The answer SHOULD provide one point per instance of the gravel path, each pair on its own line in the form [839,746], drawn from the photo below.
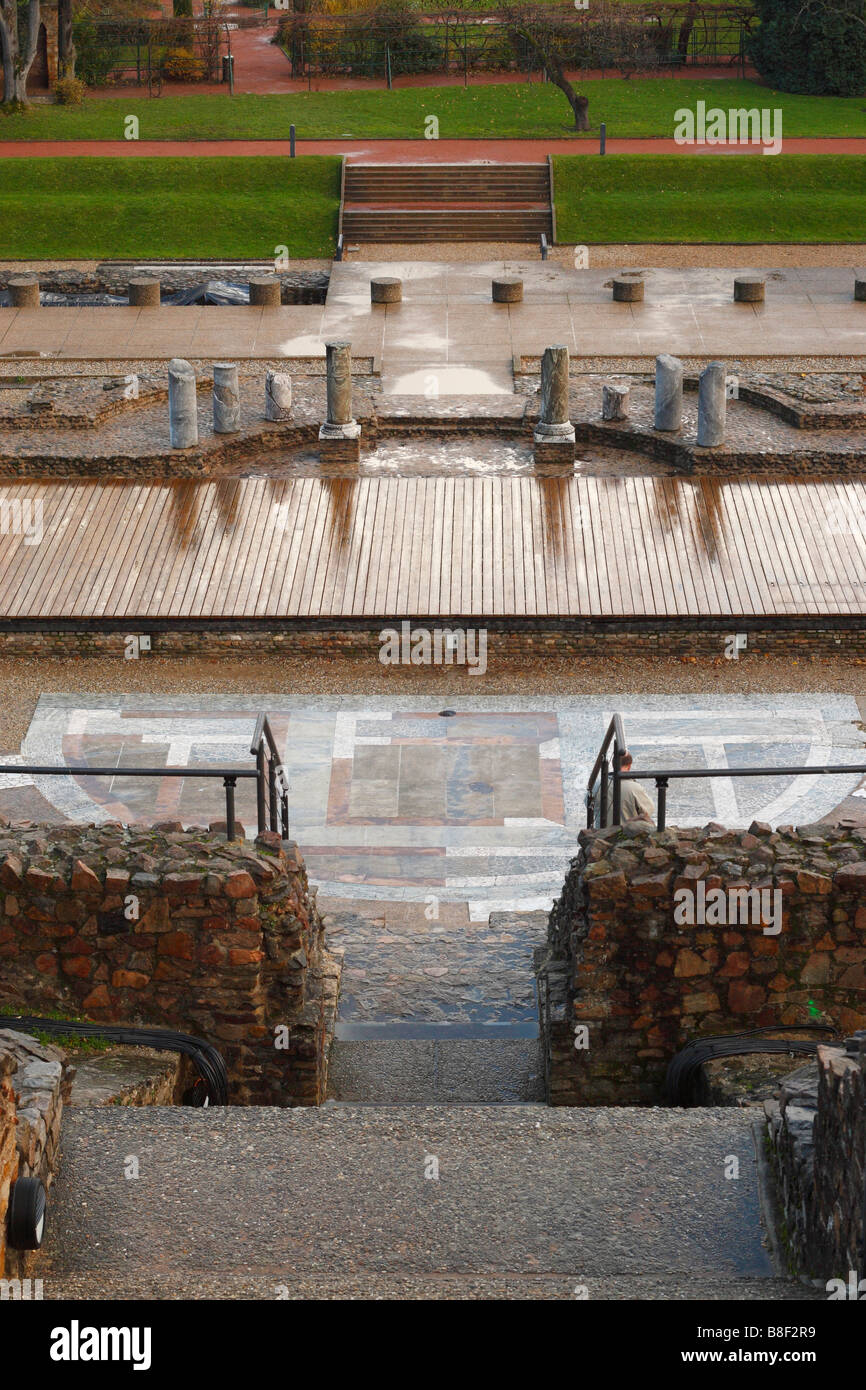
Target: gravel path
[622,1199]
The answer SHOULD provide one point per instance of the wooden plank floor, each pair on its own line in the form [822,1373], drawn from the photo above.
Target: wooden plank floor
[390,546]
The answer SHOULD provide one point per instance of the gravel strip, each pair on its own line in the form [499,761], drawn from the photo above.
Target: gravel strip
[22,680]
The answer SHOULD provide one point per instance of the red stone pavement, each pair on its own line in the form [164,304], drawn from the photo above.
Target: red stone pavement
[409,151]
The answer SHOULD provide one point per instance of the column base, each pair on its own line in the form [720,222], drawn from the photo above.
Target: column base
[554,447]
[340,443]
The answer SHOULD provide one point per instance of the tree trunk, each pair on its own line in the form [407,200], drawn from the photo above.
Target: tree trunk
[686,28]
[550,62]
[17,64]
[66,42]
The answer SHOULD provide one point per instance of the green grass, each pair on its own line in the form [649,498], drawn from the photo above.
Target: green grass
[668,198]
[85,208]
[639,107]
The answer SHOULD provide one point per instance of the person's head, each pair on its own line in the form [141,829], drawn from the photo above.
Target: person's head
[625,760]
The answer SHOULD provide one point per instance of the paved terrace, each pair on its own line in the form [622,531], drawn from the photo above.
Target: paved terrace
[447,318]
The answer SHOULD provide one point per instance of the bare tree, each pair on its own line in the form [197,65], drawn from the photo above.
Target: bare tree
[17,56]
[607,36]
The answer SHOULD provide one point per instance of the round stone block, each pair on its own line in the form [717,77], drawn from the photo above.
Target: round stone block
[265,292]
[860,286]
[144,293]
[749,289]
[386,291]
[24,292]
[628,289]
[507,291]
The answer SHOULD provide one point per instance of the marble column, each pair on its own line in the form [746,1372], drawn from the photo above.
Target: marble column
[182,406]
[614,402]
[278,396]
[712,405]
[339,436]
[554,433]
[226,398]
[669,393]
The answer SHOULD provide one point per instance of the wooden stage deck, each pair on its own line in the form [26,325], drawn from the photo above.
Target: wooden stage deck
[495,546]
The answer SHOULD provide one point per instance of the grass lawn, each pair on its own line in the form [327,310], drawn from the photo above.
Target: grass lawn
[638,107]
[666,198]
[95,208]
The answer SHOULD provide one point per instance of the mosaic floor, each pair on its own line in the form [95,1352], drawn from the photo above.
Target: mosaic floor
[437,841]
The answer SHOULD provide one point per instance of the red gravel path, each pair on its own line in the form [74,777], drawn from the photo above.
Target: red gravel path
[408,151]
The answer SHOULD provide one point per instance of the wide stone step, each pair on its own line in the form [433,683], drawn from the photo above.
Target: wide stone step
[399,224]
[479,1197]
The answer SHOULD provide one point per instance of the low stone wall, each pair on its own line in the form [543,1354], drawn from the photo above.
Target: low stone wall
[619,965]
[818,1133]
[34,1086]
[296,286]
[177,928]
[578,640]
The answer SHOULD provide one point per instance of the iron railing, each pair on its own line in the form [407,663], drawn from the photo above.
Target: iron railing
[607,775]
[272,789]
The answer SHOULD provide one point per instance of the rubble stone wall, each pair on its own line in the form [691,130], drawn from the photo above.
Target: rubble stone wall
[161,926]
[618,962]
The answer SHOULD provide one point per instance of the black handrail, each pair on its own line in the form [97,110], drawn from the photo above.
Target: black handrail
[273,785]
[269,775]
[662,776]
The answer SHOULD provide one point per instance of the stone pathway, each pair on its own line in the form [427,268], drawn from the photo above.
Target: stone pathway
[528,1202]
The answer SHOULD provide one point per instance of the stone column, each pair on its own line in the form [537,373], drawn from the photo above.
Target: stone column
[712,405]
[266,291]
[182,407]
[669,393]
[278,396]
[554,433]
[340,436]
[226,398]
[614,402]
[386,290]
[24,292]
[144,292]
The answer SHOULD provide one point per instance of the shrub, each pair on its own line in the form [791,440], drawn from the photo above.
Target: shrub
[69,91]
[179,65]
[818,49]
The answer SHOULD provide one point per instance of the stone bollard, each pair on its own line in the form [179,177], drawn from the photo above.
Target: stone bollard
[712,405]
[386,291]
[628,290]
[669,393]
[507,291]
[278,396]
[266,292]
[226,398]
[553,437]
[182,405]
[144,292]
[340,436]
[860,286]
[24,291]
[749,289]
[614,402]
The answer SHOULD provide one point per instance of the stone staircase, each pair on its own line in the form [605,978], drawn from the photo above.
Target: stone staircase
[446,202]
[457,1201]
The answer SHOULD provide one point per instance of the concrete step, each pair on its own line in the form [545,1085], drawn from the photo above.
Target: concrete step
[502,182]
[437,1071]
[478,1201]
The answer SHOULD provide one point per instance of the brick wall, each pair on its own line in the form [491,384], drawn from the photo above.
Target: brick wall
[34,1087]
[580,639]
[618,962]
[818,1130]
[227,944]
